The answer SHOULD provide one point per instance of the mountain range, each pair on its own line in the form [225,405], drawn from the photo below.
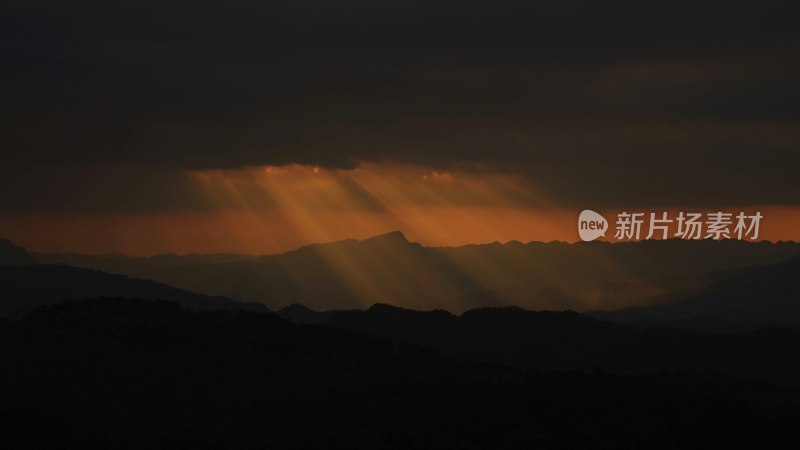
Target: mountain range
[27,285]
[722,288]
[549,340]
[211,372]
[115,373]
[764,293]
[389,269]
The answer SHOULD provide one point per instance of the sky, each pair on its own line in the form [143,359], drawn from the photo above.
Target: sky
[146,127]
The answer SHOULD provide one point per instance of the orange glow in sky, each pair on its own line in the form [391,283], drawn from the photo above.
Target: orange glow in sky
[263,210]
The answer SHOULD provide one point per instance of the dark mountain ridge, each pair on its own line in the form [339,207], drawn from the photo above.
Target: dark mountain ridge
[568,340]
[354,274]
[130,374]
[769,293]
[27,287]
[11,255]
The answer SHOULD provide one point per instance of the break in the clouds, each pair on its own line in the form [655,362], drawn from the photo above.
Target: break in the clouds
[106,105]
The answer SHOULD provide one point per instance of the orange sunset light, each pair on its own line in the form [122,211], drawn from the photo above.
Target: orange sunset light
[273,209]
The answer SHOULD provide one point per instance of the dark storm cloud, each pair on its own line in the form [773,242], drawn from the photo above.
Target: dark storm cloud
[105,188]
[646,93]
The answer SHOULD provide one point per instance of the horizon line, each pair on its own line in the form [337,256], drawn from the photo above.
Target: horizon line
[399,232]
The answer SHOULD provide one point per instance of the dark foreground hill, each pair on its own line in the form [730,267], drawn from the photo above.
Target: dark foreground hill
[23,288]
[547,341]
[127,374]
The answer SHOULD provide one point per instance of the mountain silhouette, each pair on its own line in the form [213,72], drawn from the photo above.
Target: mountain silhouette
[11,255]
[191,370]
[547,341]
[128,374]
[768,293]
[298,313]
[27,287]
[354,274]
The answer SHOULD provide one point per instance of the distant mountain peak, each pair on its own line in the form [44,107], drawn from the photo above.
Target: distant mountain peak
[385,307]
[296,307]
[300,313]
[391,237]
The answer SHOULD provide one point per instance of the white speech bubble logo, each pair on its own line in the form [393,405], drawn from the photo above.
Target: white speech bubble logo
[591,225]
